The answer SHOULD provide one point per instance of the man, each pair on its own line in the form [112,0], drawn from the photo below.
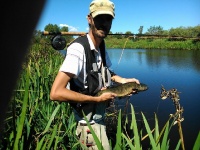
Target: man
[74,71]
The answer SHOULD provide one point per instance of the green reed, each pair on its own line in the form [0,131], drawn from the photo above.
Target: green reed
[33,121]
[159,138]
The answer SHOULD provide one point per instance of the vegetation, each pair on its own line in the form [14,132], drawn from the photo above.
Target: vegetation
[157,38]
[131,43]
[187,38]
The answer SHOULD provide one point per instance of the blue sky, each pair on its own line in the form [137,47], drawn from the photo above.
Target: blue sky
[130,14]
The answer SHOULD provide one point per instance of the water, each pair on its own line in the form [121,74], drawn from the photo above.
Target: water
[173,69]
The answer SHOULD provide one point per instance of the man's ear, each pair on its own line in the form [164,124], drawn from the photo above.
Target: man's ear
[89,18]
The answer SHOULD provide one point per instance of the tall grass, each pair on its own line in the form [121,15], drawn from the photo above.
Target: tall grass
[35,122]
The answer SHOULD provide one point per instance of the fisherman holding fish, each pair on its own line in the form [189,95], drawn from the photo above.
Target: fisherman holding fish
[85,71]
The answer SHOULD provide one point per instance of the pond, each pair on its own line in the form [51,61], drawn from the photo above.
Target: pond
[179,69]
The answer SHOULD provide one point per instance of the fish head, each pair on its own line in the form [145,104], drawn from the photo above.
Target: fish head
[142,87]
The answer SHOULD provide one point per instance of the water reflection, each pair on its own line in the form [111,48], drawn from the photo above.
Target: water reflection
[172,68]
[155,58]
[175,58]
[196,60]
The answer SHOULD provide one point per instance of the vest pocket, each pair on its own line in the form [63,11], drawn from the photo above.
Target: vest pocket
[94,82]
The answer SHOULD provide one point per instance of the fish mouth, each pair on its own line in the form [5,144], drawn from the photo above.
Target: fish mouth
[143,87]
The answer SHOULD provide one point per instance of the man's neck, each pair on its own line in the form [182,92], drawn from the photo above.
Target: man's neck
[96,41]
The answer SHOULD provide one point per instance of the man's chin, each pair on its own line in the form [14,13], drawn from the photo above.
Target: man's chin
[102,34]
[101,37]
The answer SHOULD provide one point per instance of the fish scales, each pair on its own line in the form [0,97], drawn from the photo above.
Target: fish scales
[124,89]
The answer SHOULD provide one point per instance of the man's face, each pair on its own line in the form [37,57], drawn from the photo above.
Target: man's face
[101,25]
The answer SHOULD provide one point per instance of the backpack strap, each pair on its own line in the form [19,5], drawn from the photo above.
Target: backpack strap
[90,58]
[103,53]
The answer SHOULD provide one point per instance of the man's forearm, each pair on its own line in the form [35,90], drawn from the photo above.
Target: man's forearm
[119,79]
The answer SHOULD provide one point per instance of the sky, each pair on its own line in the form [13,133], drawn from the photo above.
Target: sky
[129,14]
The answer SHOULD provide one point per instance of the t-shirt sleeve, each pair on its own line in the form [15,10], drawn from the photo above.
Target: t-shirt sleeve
[73,61]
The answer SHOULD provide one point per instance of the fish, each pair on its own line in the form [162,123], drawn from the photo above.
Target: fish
[124,89]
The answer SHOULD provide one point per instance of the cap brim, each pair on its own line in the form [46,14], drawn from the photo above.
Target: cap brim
[103,12]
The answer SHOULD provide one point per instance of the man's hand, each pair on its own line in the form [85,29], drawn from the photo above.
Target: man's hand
[126,80]
[107,96]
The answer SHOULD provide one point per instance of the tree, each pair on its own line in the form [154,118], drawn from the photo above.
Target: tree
[55,29]
[140,30]
[52,28]
[68,38]
[129,33]
[64,29]
[185,31]
[155,30]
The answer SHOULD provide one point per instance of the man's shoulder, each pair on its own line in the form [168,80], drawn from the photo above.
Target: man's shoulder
[75,47]
[78,42]
[81,39]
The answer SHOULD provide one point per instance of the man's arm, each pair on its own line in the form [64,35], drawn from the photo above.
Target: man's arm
[59,91]
[119,79]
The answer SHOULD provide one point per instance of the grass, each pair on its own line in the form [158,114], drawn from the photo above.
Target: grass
[131,43]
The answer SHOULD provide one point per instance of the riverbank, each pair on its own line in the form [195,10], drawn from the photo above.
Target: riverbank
[131,43]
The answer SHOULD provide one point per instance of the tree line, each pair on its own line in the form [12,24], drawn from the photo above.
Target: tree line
[185,32]
[153,32]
